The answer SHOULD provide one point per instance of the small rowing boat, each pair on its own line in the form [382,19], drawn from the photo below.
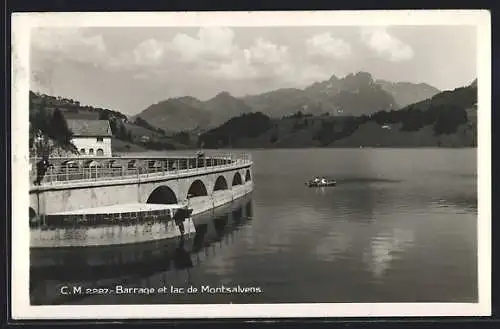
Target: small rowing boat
[321,182]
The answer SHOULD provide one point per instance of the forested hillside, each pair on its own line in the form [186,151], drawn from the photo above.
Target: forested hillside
[446,119]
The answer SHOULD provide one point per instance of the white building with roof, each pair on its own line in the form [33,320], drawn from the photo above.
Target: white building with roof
[91,137]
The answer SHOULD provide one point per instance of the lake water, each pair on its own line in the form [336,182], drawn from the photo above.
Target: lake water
[400,226]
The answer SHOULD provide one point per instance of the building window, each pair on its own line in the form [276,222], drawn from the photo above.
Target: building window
[91,151]
[82,151]
[99,139]
[100,152]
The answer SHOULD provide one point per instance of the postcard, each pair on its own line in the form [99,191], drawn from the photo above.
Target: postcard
[251,164]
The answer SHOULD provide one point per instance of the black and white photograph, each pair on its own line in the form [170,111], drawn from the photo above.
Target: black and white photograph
[251,164]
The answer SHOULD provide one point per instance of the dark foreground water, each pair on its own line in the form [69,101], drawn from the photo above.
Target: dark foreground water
[400,226]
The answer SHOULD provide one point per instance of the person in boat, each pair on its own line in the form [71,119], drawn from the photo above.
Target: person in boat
[323,180]
[316,180]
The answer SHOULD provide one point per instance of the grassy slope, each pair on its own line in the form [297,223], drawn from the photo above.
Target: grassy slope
[369,134]
[372,135]
[120,146]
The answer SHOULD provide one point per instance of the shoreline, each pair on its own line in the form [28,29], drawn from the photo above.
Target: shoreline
[304,148]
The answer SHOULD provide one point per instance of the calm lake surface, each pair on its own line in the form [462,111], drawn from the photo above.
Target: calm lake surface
[400,226]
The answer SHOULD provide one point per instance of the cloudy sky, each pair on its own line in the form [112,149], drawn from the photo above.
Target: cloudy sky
[128,69]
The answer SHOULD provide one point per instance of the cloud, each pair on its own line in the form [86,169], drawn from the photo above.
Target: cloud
[148,53]
[61,44]
[212,54]
[262,60]
[212,50]
[324,45]
[51,48]
[385,45]
[211,43]
[263,52]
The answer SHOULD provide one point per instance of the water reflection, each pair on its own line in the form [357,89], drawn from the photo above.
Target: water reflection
[106,267]
[373,237]
[384,248]
[394,229]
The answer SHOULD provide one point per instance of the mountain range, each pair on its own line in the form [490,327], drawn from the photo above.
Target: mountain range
[355,94]
[448,119]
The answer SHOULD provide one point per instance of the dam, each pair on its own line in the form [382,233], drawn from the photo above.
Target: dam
[92,201]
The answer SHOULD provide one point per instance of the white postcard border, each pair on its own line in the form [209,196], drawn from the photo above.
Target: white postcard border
[21,26]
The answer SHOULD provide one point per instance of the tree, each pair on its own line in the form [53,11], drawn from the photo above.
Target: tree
[122,132]
[31,138]
[42,145]
[41,120]
[103,115]
[248,125]
[143,123]
[58,128]
[59,132]
[448,119]
[274,138]
[182,137]
[114,128]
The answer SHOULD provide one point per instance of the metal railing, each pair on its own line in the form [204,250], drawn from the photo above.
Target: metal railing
[84,169]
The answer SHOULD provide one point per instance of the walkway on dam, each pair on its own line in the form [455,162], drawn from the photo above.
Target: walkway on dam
[64,171]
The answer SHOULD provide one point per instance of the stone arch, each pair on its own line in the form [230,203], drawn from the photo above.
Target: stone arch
[162,195]
[237,179]
[248,176]
[220,184]
[100,152]
[197,188]
[32,213]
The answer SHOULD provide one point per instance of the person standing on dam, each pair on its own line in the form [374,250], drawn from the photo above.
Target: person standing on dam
[41,169]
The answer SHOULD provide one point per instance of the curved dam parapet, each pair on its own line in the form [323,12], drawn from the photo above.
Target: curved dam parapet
[77,191]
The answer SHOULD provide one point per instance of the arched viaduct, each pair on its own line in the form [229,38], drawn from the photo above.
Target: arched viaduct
[202,188]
